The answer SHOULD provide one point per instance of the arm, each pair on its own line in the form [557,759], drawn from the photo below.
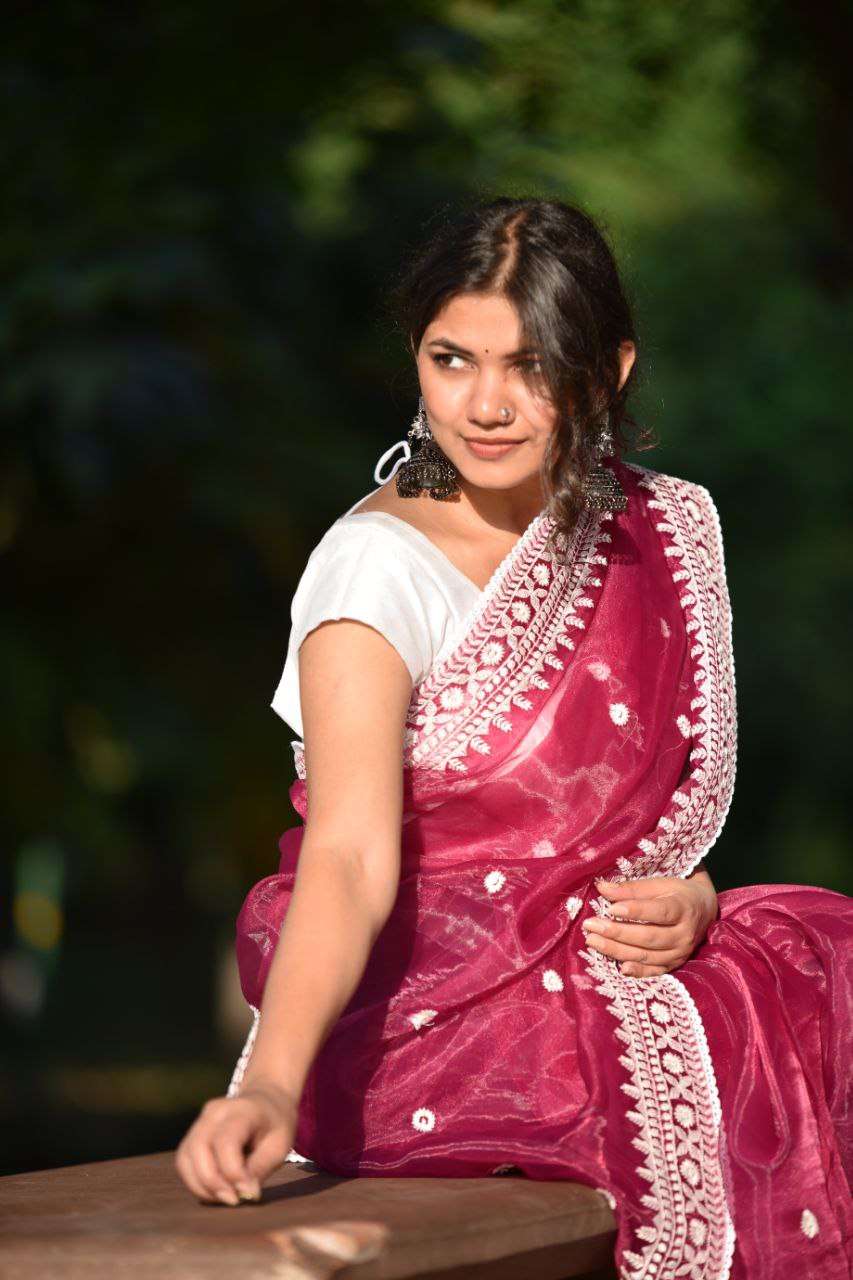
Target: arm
[354,691]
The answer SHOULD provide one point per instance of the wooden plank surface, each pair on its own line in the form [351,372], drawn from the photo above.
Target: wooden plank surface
[133,1218]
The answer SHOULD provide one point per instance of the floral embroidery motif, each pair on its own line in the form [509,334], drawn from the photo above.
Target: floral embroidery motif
[423,1119]
[809,1224]
[618,712]
[551,980]
[494,881]
[672,1081]
[299,758]
[598,670]
[678,1116]
[573,906]
[698,809]
[422,1018]
[544,849]
[508,643]
[451,698]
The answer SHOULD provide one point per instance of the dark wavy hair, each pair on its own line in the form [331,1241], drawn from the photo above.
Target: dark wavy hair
[553,263]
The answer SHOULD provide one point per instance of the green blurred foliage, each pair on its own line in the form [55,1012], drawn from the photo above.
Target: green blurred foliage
[205,205]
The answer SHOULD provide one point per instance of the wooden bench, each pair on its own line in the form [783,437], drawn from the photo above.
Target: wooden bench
[133,1218]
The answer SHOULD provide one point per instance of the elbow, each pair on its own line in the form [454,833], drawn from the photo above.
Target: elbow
[370,871]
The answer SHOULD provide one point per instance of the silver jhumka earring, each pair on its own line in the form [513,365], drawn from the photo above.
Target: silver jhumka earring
[602,490]
[423,466]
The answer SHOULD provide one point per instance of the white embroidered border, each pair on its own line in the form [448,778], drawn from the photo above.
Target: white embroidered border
[243,1060]
[696,813]
[529,607]
[677,1112]
[233,1090]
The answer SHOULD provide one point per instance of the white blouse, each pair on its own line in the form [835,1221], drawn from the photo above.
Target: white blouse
[378,569]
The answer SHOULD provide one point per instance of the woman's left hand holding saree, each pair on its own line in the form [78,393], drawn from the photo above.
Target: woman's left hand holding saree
[655,923]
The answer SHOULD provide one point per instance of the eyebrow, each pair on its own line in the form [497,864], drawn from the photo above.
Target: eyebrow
[461,351]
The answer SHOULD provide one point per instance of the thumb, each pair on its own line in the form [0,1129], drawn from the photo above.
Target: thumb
[269,1152]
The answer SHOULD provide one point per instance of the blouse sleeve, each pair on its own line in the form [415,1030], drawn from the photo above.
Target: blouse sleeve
[367,575]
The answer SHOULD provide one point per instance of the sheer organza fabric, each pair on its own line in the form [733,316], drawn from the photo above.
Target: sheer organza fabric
[585,725]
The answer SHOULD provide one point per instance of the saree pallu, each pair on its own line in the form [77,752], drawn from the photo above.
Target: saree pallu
[583,724]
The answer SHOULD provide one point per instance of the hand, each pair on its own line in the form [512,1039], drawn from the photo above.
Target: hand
[237,1142]
[666,917]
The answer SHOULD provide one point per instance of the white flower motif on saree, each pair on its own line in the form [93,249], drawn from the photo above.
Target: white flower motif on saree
[809,1224]
[423,1119]
[422,1018]
[551,980]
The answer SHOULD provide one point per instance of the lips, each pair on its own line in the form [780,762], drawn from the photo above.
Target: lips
[491,448]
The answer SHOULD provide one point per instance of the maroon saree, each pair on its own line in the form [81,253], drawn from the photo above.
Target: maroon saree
[583,724]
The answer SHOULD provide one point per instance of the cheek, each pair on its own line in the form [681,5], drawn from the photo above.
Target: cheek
[537,411]
[539,417]
[443,394]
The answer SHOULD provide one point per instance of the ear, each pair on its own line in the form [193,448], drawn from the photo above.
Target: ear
[627,356]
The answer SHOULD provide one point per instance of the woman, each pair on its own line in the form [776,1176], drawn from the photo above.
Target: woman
[512,675]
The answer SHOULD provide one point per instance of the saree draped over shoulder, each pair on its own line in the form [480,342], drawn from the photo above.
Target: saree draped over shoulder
[584,725]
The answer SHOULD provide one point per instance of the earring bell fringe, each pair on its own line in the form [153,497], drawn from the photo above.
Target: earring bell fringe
[426,468]
[602,490]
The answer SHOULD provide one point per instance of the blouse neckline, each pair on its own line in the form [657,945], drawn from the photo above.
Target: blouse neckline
[419,536]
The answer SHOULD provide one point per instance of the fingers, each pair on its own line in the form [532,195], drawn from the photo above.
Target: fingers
[663,958]
[229,1144]
[268,1154]
[196,1170]
[210,1159]
[645,888]
[650,937]
[662,909]
[208,1171]
[645,970]
[233,1146]
[185,1169]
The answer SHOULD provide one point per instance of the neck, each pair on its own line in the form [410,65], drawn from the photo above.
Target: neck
[510,510]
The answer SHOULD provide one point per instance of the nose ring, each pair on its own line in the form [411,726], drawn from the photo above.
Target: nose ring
[505,414]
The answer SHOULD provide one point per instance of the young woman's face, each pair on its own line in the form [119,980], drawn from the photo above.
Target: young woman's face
[470,366]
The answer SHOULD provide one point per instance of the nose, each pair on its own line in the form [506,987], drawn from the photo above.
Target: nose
[488,397]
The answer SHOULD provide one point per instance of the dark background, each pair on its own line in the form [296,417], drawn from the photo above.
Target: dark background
[205,205]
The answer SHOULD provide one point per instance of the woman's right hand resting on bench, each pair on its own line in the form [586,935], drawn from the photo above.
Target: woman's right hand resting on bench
[236,1143]
[354,691]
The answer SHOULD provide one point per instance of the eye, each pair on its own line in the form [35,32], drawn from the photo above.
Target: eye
[443,359]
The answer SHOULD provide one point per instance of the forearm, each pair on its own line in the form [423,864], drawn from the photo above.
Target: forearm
[331,923]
